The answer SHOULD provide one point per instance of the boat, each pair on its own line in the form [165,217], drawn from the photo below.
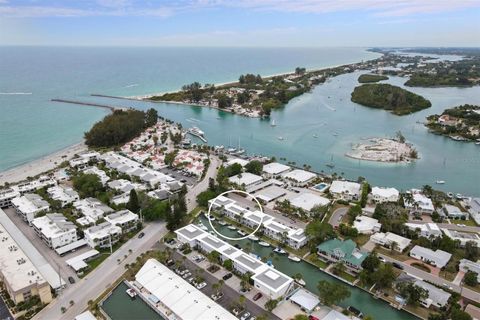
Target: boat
[279,250]
[331,165]
[222,223]
[253,238]
[355,311]
[450,195]
[273,124]
[440,182]
[231,150]
[209,217]
[300,282]
[264,244]
[294,258]
[242,233]
[269,263]
[131,293]
[477,143]
[232,227]
[459,196]
[315,135]
[281,138]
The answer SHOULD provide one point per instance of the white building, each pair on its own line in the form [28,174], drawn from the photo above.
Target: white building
[121,199]
[65,195]
[104,178]
[380,195]
[474,209]
[245,179]
[420,204]
[125,219]
[436,296]
[462,237]
[102,235]
[55,230]
[179,299]
[388,239]
[426,230]
[239,161]
[29,205]
[453,212]
[34,185]
[299,178]
[6,197]
[83,159]
[268,280]
[307,201]
[274,170]
[436,258]
[366,225]
[92,209]
[467,265]
[345,190]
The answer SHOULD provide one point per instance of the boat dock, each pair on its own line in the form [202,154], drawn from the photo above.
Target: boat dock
[89,104]
[199,136]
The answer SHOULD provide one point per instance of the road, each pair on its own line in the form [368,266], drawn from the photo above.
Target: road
[452,226]
[102,277]
[467,293]
[337,216]
[202,185]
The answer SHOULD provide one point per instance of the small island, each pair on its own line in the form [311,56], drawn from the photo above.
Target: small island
[384,150]
[460,123]
[370,78]
[385,96]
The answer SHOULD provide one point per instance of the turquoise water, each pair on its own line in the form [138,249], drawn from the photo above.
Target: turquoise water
[31,126]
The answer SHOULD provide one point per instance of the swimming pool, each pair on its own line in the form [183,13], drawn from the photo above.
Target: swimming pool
[321,186]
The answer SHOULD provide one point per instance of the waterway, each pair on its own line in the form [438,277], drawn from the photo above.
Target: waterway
[312,275]
[119,306]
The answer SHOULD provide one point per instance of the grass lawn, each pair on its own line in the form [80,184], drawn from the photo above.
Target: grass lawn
[420,311]
[470,223]
[313,258]
[396,255]
[347,276]
[361,239]
[421,266]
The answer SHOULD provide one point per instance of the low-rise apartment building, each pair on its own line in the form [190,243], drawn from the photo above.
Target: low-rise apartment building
[29,205]
[102,235]
[381,195]
[55,230]
[65,195]
[125,219]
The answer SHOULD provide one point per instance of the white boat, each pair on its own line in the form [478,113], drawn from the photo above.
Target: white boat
[231,150]
[232,228]
[222,223]
[477,143]
[203,228]
[315,135]
[294,258]
[242,233]
[273,124]
[253,238]
[279,250]
[264,244]
[300,282]
[440,182]
[281,138]
[196,130]
[450,195]
[459,196]
[131,293]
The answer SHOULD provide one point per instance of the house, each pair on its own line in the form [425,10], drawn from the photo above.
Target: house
[307,201]
[366,225]
[344,251]
[453,212]
[124,219]
[388,239]
[380,195]
[436,296]
[474,209]
[29,205]
[467,265]
[245,179]
[299,178]
[473,311]
[121,199]
[426,230]
[345,190]
[92,209]
[65,195]
[239,161]
[419,203]
[6,197]
[125,186]
[104,178]
[160,194]
[462,237]
[335,315]
[55,230]
[274,170]
[102,235]
[436,258]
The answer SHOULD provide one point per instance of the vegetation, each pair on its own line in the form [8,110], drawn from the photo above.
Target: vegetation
[471,278]
[87,185]
[332,293]
[318,232]
[463,121]
[254,167]
[132,204]
[392,216]
[369,78]
[375,272]
[119,127]
[156,210]
[385,96]
[412,293]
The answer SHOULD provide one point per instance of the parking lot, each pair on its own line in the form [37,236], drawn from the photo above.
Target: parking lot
[180,176]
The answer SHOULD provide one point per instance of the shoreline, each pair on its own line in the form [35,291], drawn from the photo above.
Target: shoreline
[42,164]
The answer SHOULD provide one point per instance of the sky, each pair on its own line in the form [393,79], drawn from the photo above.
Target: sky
[270,23]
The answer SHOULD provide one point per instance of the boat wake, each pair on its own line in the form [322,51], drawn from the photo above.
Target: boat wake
[14,93]
[131,85]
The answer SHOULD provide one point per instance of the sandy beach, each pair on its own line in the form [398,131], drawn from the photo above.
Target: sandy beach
[382,150]
[40,165]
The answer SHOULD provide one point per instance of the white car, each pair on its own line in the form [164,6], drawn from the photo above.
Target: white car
[382,259]
[245,316]
[202,285]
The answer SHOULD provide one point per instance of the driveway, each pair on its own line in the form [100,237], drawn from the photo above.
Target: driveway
[202,185]
[337,216]
[433,270]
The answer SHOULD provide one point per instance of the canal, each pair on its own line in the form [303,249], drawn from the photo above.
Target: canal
[312,275]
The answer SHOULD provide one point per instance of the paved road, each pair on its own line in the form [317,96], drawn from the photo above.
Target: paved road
[4,312]
[467,293]
[453,226]
[202,185]
[337,216]
[102,277]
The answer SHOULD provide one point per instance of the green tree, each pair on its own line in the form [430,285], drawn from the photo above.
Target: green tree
[458,314]
[471,278]
[472,252]
[205,196]
[353,212]
[132,204]
[412,293]
[254,167]
[371,262]
[88,185]
[151,117]
[169,158]
[224,101]
[156,210]
[332,293]
[271,304]
[318,232]
[300,317]
[228,264]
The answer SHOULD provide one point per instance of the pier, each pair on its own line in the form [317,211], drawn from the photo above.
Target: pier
[201,137]
[89,104]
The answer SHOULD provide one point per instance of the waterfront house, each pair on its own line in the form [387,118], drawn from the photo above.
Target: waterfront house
[65,195]
[467,265]
[274,170]
[245,179]
[124,219]
[437,258]
[391,239]
[239,161]
[307,201]
[419,204]
[102,235]
[29,206]
[426,230]
[345,190]
[436,296]
[366,225]
[55,230]
[462,237]
[34,185]
[380,195]
[453,212]
[344,251]
[299,178]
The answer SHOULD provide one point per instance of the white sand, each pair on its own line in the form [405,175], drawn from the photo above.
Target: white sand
[41,165]
[382,150]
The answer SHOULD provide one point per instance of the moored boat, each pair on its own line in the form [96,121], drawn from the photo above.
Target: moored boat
[300,282]
[222,223]
[241,232]
[131,293]
[253,238]
[232,227]
[279,250]
[440,182]
[294,258]
[264,244]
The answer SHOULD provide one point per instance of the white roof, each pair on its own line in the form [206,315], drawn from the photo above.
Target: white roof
[388,238]
[182,298]
[30,203]
[87,315]
[305,299]
[435,294]
[307,201]
[422,201]
[241,162]
[385,192]
[440,257]
[53,225]
[78,262]
[364,224]
[121,217]
[300,175]
[275,168]
[335,315]
[349,187]
[246,178]
[102,230]
[428,228]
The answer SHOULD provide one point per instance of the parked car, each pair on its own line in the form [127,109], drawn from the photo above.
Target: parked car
[140,236]
[236,311]
[245,316]
[202,285]
[397,265]
[186,275]
[257,296]
[71,280]
[190,280]
[382,259]
[227,276]
[216,297]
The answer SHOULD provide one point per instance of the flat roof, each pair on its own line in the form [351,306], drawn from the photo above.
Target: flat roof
[78,262]
[71,246]
[190,232]
[275,168]
[248,261]
[307,201]
[300,175]
[271,193]
[305,299]
[273,279]
[246,178]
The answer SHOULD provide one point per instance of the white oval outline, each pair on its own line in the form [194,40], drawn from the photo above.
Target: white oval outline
[224,236]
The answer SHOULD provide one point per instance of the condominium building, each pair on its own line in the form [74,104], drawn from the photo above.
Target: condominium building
[299,178]
[29,205]
[65,195]
[55,230]
[125,219]
[426,230]
[102,235]
[92,209]
[274,170]
[6,197]
[345,190]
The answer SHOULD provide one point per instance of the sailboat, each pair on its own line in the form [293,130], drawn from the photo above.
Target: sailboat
[331,164]
[273,124]
[230,148]
[240,150]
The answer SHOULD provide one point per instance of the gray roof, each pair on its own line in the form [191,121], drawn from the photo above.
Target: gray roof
[213,242]
[251,262]
[272,278]
[437,295]
[440,257]
[190,231]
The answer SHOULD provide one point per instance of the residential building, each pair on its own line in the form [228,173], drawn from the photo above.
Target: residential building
[83,159]
[473,311]
[436,296]
[239,161]
[307,201]
[65,195]
[388,239]
[294,238]
[34,185]
[125,219]
[102,235]
[299,178]
[380,195]
[271,282]
[419,204]
[178,298]
[426,230]
[121,199]
[467,265]
[366,225]
[335,315]
[20,278]
[160,194]
[345,251]
[274,170]
[453,212]
[345,190]
[92,209]
[474,209]
[270,193]
[125,186]
[55,230]
[29,205]
[102,175]
[245,179]
[6,197]
[437,258]
[462,237]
